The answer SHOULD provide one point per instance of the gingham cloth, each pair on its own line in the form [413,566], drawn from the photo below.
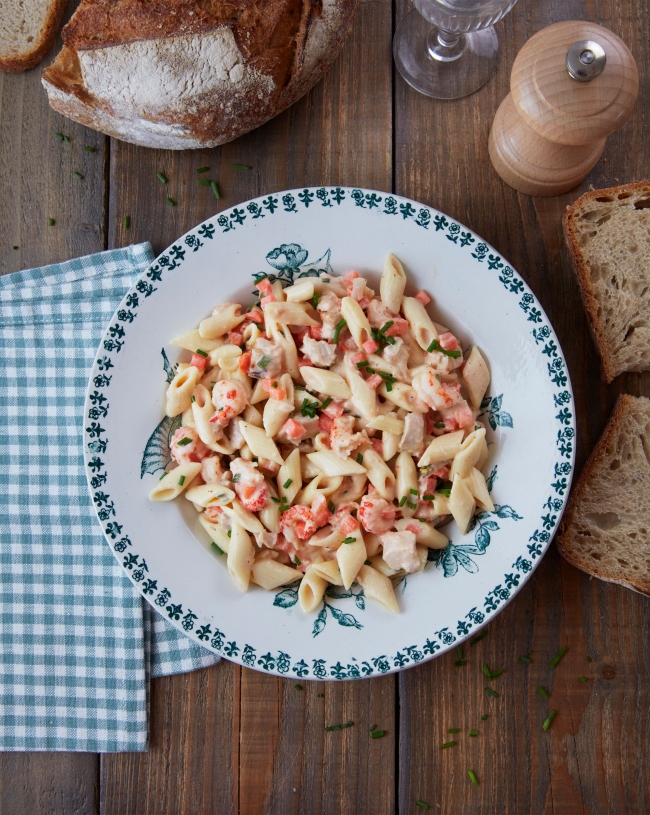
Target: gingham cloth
[78,644]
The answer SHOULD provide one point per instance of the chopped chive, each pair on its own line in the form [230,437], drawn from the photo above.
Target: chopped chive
[327,402]
[78,175]
[242,167]
[460,662]
[90,149]
[473,733]
[61,137]
[287,483]
[411,505]
[315,299]
[127,221]
[263,362]
[229,533]
[439,425]
[15,247]
[548,720]
[359,458]
[338,726]
[330,506]
[363,364]
[527,660]
[413,492]
[184,441]
[374,727]
[298,687]
[558,656]
[217,549]
[340,325]
[422,805]
[447,744]
[484,717]
[486,671]
[161,178]
[582,679]
[446,491]
[385,327]
[589,659]
[297,561]
[50,221]
[459,651]
[181,480]
[202,169]
[402,500]
[428,497]
[215,190]
[378,734]
[171,202]
[491,693]
[201,352]
[472,777]
[541,690]
[435,346]
[483,634]
[320,695]
[454,730]
[204,182]
[498,673]
[162,476]
[275,500]
[349,540]
[367,563]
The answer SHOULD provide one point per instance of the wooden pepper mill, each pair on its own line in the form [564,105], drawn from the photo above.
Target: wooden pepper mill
[572,84]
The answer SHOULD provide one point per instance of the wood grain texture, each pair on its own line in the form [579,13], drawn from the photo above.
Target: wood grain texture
[590,760]
[37,181]
[49,784]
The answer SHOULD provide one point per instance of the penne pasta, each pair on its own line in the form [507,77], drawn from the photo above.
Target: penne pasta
[289,478]
[176,481]
[289,314]
[392,284]
[330,464]
[328,570]
[351,557]
[442,448]
[241,556]
[476,377]
[422,327]
[311,591]
[260,444]
[269,574]
[180,390]
[379,474]
[300,292]
[210,495]
[192,341]
[378,588]
[224,318]
[356,320]
[327,382]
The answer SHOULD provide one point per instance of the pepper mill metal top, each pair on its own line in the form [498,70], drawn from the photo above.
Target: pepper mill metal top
[574,82]
[585,60]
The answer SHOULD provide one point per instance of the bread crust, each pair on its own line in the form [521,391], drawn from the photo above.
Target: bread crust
[23,62]
[624,405]
[573,211]
[284,46]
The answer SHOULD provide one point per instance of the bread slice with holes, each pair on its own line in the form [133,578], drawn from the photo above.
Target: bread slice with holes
[608,234]
[27,30]
[606,527]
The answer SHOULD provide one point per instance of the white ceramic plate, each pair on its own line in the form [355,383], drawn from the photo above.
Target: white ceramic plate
[529,409]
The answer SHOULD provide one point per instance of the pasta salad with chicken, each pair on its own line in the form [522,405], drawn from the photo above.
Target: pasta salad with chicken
[327,432]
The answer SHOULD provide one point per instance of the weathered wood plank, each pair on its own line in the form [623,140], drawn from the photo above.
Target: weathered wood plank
[191,765]
[591,759]
[49,784]
[37,181]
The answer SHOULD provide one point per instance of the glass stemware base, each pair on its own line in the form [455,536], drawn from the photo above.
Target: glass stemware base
[444,64]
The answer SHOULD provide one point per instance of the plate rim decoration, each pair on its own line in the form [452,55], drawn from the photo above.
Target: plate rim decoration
[291,262]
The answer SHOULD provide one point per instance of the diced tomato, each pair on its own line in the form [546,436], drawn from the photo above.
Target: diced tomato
[400,326]
[448,342]
[325,423]
[255,316]
[348,525]
[429,424]
[423,297]
[442,472]
[264,287]
[212,513]
[294,429]
[346,342]
[245,362]
[356,358]
[199,361]
[370,346]
[374,381]
[376,443]
[320,510]
[266,300]
[305,361]
[316,332]
[334,409]
[277,393]
[364,302]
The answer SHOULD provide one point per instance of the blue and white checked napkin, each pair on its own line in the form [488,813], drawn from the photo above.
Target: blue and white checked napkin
[78,644]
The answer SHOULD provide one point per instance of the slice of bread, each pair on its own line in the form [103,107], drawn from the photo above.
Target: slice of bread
[27,30]
[605,530]
[608,234]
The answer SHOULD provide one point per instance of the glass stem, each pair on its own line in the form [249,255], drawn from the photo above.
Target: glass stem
[445,46]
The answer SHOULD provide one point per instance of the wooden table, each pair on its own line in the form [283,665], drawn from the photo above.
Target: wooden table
[230,740]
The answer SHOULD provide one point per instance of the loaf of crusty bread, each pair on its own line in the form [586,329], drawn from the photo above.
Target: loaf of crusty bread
[180,74]
[608,235]
[27,30]
[605,530]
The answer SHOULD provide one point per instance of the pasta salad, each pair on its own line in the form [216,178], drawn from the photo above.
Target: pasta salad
[326,433]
